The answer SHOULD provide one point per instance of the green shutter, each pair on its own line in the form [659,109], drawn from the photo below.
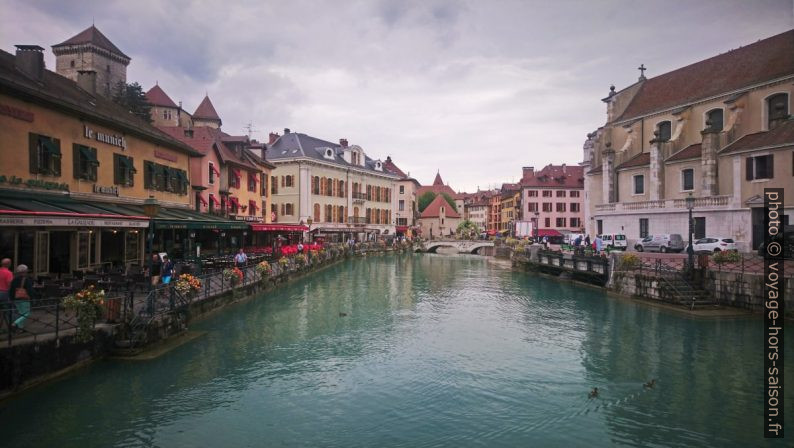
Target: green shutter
[133,171]
[117,169]
[94,164]
[147,174]
[76,154]
[56,154]
[33,150]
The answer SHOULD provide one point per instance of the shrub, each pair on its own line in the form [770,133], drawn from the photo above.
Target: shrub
[187,284]
[629,262]
[233,276]
[87,304]
[727,257]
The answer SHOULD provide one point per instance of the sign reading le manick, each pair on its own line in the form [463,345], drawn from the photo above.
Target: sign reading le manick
[115,140]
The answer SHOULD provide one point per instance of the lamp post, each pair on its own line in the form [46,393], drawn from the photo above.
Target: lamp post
[309,233]
[150,208]
[690,204]
[537,222]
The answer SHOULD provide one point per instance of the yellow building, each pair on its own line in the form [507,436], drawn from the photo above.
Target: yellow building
[510,209]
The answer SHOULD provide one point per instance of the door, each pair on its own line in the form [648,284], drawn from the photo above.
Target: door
[700,227]
[757,219]
[42,253]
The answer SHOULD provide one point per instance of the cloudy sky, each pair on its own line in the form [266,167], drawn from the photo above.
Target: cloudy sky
[477,89]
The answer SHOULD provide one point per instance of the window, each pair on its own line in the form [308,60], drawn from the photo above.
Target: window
[316,213]
[573,194]
[329,187]
[341,214]
[560,222]
[546,193]
[289,181]
[273,185]
[777,107]
[71,63]
[547,206]
[329,213]
[264,185]
[401,205]
[575,222]
[560,193]
[212,171]
[234,178]
[639,184]
[123,170]
[700,227]
[167,114]
[402,221]
[714,117]
[643,227]
[342,189]
[253,179]
[560,206]
[547,222]
[599,226]
[288,209]
[665,129]
[402,189]
[760,167]
[688,179]
[45,155]
[575,207]
[164,178]
[533,206]
[532,193]
[85,162]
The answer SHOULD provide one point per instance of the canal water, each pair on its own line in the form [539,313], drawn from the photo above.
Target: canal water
[421,351]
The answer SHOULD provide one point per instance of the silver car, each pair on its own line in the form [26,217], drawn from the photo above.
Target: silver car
[668,242]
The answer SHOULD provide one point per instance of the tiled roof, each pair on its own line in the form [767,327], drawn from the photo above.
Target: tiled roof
[157,97]
[565,176]
[434,209]
[392,168]
[204,139]
[437,180]
[92,35]
[758,62]
[57,91]
[206,110]
[436,189]
[641,159]
[690,152]
[783,134]
[597,170]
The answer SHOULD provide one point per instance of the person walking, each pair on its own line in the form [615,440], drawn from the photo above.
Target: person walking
[599,244]
[240,259]
[587,240]
[6,277]
[300,247]
[156,271]
[21,293]
[167,270]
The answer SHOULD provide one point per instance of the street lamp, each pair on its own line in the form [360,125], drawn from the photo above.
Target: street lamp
[690,204]
[537,222]
[150,208]
[309,224]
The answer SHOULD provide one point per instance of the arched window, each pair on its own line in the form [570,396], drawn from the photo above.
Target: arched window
[341,214]
[328,213]
[322,186]
[665,129]
[714,117]
[777,107]
[355,213]
[329,187]
[341,188]
[316,212]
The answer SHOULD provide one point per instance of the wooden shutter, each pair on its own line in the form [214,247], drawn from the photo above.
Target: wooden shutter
[770,166]
[117,180]
[76,161]
[33,150]
[94,167]
[56,162]
[749,168]
[131,178]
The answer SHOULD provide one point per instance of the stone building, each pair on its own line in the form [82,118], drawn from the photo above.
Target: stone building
[718,130]
[439,219]
[405,214]
[90,57]
[553,198]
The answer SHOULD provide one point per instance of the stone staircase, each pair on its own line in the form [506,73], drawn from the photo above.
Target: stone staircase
[678,289]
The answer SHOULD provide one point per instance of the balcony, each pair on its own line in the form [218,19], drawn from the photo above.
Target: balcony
[356,220]
[359,198]
[667,204]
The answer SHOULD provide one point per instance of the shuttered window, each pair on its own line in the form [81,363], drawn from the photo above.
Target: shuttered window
[85,162]
[123,170]
[44,155]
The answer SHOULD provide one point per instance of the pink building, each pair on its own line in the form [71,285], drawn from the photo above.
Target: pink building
[554,197]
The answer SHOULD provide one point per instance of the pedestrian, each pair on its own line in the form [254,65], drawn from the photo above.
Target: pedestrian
[587,240]
[599,244]
[300,247]
[6,277]
[167,269]
[240,259]
[156,270]
[21,293]
[577,241]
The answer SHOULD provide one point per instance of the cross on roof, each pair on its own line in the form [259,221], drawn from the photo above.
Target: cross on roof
[642,69]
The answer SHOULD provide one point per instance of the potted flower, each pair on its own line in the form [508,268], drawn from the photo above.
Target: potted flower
[263,269]
[187,285]
[233,276]
[87,304]
[300,260]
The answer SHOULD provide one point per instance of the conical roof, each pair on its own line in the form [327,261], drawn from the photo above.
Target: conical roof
[157,97]
[438,180]
[92,35]
[206,110]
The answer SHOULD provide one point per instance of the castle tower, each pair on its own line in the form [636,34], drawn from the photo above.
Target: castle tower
[90,51]
[205,114]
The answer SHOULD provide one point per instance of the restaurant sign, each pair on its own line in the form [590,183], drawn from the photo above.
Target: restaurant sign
[115,140]
[6,221]
[248,218]
[19,114]
[33,183]
[112,191]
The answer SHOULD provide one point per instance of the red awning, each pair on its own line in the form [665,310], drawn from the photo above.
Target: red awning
[492,232]
[214,168]
[236,172]
[253,205]
[278,227]
[401,228]
[201,198]
[215,200]
[254,176]
[548,232]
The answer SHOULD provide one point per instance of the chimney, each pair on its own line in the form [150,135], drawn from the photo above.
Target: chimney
[86,80]
[563,168]
[30,61]
[779,117]
[343,142]
[528,171]
[273,138]
[286,131]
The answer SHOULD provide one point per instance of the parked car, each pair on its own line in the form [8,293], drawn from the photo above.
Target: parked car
[712,244]
[668,242]
[614,240]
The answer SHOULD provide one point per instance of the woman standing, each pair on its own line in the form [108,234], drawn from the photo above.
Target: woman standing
[21,293]
[167,269]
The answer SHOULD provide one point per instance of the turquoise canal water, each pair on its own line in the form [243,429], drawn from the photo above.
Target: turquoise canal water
[434,351]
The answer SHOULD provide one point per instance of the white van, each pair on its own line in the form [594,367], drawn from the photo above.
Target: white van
[615,240]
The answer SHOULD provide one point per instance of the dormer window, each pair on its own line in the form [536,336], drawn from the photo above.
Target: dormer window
[714,117]
[777,108]
[665,129]
[329,153]
[378,166]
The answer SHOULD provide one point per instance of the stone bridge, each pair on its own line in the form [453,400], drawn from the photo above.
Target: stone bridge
[462,246]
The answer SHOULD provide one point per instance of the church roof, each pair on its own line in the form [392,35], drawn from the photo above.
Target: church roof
[738,69]
[438,180]
[206,110]
[782,135]
[157,97]
[641,159]
[92,35]
[690,152]
[433,210]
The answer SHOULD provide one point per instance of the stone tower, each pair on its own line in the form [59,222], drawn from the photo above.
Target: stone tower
[90,51]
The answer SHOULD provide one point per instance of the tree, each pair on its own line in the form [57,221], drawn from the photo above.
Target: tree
[425,200]
[468,229]
[132,98]
[450,201]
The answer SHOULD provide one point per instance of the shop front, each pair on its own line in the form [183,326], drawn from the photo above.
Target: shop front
[266,235]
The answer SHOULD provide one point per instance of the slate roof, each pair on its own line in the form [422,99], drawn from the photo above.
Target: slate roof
[434,209]
[737,69]
[295,145]
[157,97]
[783,134]
[206,110]
[690,152]
[568,176]
[641,159]
[55,91]
[91,35]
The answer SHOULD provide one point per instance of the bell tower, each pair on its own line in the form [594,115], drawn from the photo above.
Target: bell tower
[91,51]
